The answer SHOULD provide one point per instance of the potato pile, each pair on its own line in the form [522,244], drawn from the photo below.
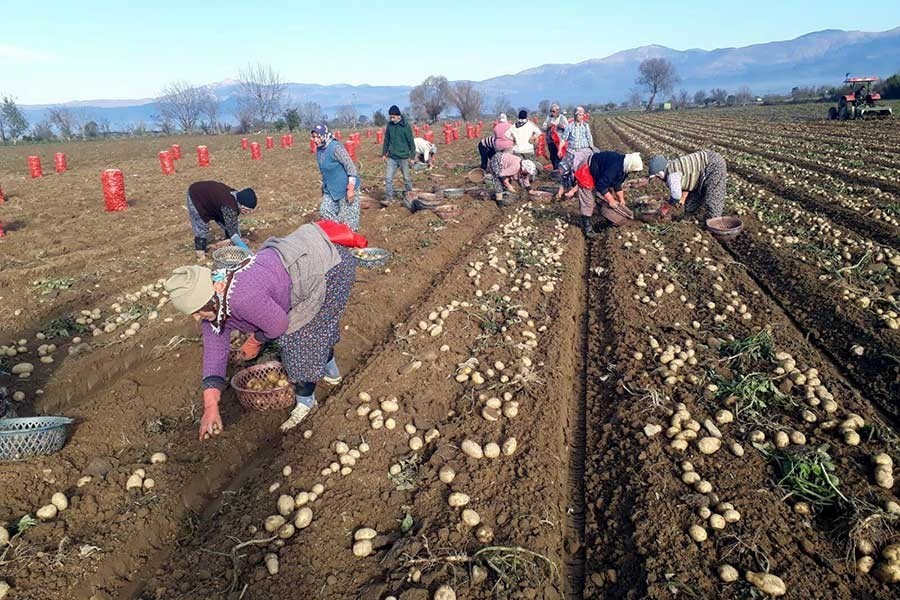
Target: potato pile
[273,380]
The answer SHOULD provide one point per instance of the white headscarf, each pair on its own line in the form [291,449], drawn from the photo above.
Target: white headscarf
[633,162]
[503,118]
[529,167]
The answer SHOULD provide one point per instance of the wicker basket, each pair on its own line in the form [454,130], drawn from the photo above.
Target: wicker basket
[475,175]
[447,211]
[229,257]
[33,436]
[276,399]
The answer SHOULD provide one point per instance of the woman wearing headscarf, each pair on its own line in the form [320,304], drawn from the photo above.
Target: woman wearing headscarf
[693,180]
[524,134]
[340,179]
[486,150]
[576,146]
[508,168]
[294,291]
[214,201]
[554,126]
[603,175]
[503,140]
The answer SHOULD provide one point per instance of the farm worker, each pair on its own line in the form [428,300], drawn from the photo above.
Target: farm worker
[340,179]
[576,146]
[554,126]
[398,152]
[213,201]
[503,140]
[507,168]
[603,174]
[294,290]
[524,133]
[486,150]
[425,151]
[698,178]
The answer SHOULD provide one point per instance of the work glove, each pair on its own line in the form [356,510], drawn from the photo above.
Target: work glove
[237,241]
[210,422]
[251,347]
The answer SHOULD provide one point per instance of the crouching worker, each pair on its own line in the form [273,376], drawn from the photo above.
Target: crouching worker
[507,169]
[293,290]
[698,178]
[603,174]
[213,201]
[425,152]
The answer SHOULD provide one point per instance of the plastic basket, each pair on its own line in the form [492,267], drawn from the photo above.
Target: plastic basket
[32,436]
[275,399]
[229,257]
[724,228]
[371,257]
[453,192]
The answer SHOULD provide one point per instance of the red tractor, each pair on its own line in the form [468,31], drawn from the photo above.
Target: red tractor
[860,103]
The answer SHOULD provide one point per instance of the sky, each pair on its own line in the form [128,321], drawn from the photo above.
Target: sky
[56,51]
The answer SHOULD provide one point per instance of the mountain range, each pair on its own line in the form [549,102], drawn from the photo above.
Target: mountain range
[822,57]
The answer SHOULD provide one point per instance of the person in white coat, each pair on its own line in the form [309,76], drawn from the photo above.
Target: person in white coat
[524,134]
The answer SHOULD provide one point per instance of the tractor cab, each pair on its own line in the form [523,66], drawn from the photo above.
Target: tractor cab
[860,103]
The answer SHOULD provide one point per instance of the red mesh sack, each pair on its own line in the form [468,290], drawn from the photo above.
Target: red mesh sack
[113,190]
[60,162]
[166,162]
[176,152]
[203,156]
[270,143]
[340,233]
[255,151]
[244,144]
[34,167]
[583,176]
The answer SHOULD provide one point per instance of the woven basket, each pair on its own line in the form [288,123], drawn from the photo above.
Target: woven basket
[229,257]
[33,436]
[447,211]
[275,399]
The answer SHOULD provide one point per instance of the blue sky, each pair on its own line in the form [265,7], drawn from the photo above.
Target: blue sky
[57,51]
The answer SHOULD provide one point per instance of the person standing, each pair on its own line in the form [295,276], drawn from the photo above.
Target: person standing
[524,134]
[603,175]
[554,126]
[397,152]
[698,178]
[214,201]
[340,179]
[576,146]
[503,140]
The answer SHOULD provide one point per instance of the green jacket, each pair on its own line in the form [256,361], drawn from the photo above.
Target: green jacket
[398,140]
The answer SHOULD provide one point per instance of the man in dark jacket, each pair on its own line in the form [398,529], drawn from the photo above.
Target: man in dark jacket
[398,152]
[213,201]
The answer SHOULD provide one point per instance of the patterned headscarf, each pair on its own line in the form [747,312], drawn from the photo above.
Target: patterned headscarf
[322,130]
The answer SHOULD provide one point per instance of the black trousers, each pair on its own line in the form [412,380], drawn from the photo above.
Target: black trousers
[486,154]
[552,149]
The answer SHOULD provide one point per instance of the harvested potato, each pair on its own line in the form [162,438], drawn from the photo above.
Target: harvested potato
[484,534]
[457,499]
[472,449]
[697,533]
[364,533]
[445,592]
[318,489]
[135,482]
[470,517]
[766,583]
[285,505]
[709,445]
[887,572]
[304,518]
[301,499]
[727,573]
[362,548]
[47,513]
[864,564]
[891,553]
[509,446]
[273,523]
[60,501]
[491,450]
[447,474]
[271,561]
[286,531]
[158,458]
[4,536]
[149,484]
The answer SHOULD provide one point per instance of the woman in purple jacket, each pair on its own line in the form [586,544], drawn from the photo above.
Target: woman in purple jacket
[294,290]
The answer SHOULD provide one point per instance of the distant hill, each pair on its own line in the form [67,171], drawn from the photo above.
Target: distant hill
[812,59]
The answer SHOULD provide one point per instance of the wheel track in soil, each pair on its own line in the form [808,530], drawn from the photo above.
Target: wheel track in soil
[832,332]
[878,231]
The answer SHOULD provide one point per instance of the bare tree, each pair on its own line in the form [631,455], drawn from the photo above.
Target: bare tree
[431,96]
[658,76]
[182,104]
[699,97]
[65,121]
[310,114]
[635,98]
[681,99]
[501,104]
[210,110]
[743,95]
[347,116]
[467,99]
[42,131]
[718,95]
[262,92]
[544,107]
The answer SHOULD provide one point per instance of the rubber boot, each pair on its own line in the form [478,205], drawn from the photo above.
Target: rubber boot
[304,405]
[587,228]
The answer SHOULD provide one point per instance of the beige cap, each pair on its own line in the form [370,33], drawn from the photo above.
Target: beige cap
[190,288]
